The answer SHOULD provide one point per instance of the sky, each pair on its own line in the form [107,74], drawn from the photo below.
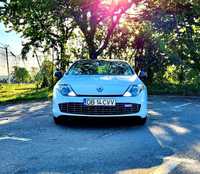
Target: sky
[15,45]
[12,39]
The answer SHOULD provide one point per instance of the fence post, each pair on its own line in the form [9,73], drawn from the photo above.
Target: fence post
[6,48]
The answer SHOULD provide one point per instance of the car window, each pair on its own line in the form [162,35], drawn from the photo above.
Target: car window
[100,68]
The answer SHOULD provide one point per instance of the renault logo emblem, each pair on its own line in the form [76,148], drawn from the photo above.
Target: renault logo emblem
[100,89]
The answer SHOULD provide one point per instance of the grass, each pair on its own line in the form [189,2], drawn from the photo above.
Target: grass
[174,89]
[22,92]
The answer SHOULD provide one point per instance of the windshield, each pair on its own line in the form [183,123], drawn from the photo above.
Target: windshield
[100,67]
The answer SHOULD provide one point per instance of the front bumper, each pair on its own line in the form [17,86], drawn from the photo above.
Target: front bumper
[141,100]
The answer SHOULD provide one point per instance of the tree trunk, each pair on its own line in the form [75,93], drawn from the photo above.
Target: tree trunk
[181,75]
[62,61]
[93,55]
[92,50]
[150,76]
[62,52]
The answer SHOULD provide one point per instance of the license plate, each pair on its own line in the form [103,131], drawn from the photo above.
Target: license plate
[99,102]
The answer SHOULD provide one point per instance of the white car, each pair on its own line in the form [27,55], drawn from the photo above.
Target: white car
[100,88]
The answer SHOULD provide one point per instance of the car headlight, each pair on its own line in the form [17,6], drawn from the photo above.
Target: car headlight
[66,90]
[134,90]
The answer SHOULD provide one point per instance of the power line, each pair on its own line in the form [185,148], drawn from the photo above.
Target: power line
[7,47]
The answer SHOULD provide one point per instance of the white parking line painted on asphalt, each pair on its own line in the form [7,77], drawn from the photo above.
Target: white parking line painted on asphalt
[160,134]
[14,138]
[152,130]
[181,106]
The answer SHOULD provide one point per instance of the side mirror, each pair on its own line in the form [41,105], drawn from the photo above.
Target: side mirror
[142,74]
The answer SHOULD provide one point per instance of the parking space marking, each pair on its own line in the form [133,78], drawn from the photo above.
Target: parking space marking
[152,130]
[14,138]
[181,106]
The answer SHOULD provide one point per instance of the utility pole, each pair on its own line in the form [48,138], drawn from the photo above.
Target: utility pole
[52,78]
[6,48]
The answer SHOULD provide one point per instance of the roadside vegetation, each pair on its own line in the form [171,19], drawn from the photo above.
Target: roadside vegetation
[22,92]
[26,86]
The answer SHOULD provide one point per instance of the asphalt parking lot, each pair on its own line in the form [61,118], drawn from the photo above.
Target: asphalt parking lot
[30,142]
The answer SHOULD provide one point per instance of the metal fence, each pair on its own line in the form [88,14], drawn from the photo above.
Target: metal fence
[9,61]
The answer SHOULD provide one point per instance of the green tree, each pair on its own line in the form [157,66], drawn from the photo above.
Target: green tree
[38,23]
[44,78]
[21,75]
[51,22]
[177,24]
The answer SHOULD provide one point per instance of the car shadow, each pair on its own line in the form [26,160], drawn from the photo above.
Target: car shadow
[87,122]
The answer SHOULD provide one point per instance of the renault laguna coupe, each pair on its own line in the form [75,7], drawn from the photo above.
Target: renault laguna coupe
[100,88]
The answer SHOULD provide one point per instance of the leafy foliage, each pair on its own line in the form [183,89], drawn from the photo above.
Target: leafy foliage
[21,75]
[51,22]
[44,78]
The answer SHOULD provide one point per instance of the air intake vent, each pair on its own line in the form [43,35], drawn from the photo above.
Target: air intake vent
[80,108]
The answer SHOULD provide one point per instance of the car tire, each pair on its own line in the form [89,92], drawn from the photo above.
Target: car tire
[142,121]
[57,120]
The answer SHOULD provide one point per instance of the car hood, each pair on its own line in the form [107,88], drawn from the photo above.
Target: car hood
[99,84]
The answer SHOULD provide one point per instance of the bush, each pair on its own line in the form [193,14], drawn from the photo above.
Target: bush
[44,78]
[21,75]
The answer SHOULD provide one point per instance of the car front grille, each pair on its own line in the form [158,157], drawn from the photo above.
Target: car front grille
[80,108]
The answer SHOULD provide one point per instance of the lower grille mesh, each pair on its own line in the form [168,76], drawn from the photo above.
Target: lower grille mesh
[80,108]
